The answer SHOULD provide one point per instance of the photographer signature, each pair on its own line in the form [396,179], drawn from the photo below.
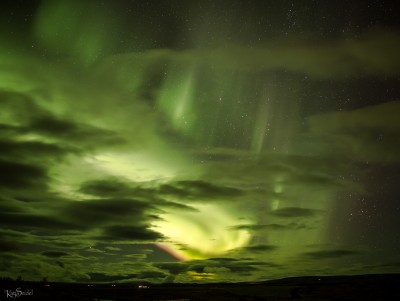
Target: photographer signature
[18,293]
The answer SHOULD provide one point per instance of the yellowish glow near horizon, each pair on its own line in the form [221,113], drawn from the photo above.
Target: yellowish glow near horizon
[204,233]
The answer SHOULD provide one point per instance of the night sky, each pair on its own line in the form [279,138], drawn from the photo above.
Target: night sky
[198,141]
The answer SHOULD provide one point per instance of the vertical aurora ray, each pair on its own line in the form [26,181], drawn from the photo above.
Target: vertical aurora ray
[176,97]
[260,127]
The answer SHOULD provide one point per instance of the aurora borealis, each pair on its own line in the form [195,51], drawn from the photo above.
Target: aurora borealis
[198,141]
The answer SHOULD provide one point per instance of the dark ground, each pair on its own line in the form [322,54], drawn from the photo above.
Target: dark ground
[363,287]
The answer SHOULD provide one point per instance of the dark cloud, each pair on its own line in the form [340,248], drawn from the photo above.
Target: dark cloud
[117,187]
[234,265]
[150,275]
[223,259]
[29,221]
[242,267]
[370,55]
[10,206]
[7,245]
[277,227]
[261,248]
[102,211]
[106,188]
[34,118]
[56,127]
[22,176]
[173,268]
[100,277]
[32,150]
[66,215]
[198,268]
[8,130]
[312,174]
[387,267]
[352,58]
[294,212]
[55,254]
[314,180]
[367,134]
[230,263]
[176,206]
[330,254]
[199,190]
[72,131]
[20,107]
[131,233]
[390,265]
[60,264]
[114,187]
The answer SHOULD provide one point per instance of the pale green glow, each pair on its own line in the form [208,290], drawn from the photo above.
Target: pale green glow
[278,188]
[275,204]
[34,137]
[77,28]
[137,167]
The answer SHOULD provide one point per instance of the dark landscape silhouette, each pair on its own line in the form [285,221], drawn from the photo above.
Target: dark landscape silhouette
[359,287]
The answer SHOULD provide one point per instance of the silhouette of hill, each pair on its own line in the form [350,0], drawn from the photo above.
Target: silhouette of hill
[359,287]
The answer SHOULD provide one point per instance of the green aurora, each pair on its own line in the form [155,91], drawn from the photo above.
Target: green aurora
[181,141]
